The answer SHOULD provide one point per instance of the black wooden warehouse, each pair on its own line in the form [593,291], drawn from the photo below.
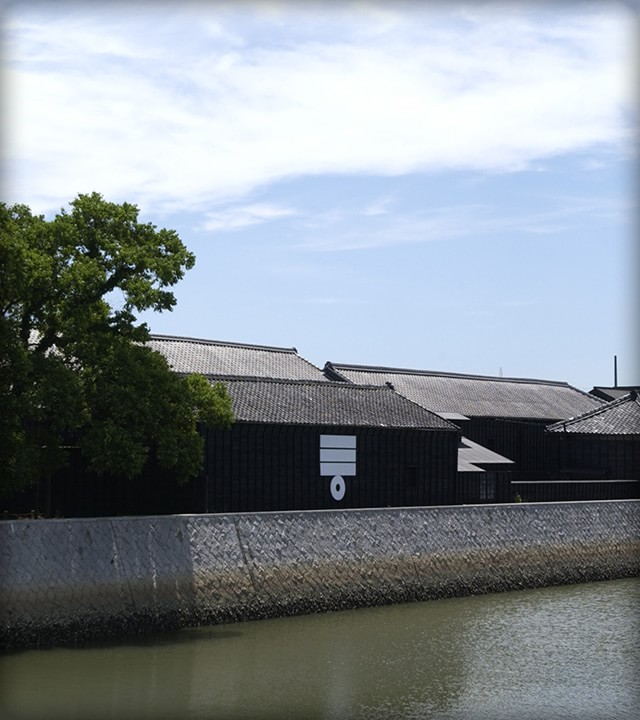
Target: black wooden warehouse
[483,476]
[597,453]
[506,415]
[295,445]
[305,444]
[76,492]
[363,436]
[299,442]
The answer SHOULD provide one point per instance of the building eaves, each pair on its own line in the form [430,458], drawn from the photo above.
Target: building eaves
[222,343]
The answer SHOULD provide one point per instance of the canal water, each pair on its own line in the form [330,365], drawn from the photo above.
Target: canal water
[563,652]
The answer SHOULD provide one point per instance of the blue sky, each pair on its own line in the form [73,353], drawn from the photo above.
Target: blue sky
[447,187]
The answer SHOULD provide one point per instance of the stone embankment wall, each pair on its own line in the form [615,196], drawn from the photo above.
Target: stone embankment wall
[64,581]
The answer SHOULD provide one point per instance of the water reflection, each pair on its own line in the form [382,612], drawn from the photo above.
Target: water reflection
[568,652]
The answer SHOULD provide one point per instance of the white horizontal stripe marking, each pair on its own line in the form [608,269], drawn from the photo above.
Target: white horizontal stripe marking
[336,468]
[337,441]
[337,455]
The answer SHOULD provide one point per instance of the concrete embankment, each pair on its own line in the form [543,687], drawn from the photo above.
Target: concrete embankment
[64,581]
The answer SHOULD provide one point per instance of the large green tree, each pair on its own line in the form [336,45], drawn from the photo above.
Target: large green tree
[74,366]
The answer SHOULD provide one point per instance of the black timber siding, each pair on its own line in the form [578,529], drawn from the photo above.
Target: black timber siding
[74,491]
[255,467]
[592,456]
[574,490]
[491,486]
[523,441]
[546,458]
[261,467]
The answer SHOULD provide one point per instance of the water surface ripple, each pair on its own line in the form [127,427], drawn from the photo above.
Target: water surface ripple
[563,652]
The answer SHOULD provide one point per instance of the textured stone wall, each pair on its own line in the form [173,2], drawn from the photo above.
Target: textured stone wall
[62,581]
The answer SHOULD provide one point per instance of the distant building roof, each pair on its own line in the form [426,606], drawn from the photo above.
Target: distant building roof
[618,417]
[474,395]
[312,402]
[212,357]
[453,416]
[613,393]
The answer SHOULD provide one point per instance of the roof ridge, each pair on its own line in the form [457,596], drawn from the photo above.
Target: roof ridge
[302,381]
[329,370]
[389,386]
[314,366]
[440,373]
[203,341]
[605,407]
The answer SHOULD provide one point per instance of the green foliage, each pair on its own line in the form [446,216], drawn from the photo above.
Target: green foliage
[73,365]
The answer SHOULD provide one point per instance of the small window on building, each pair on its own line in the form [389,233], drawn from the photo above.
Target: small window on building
[488,487]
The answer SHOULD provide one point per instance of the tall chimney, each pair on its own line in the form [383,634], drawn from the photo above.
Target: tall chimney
[615,371]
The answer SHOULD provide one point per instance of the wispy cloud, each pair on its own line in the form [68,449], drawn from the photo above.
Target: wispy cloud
[190,108]
[236,217]
[438,224]
[378,207]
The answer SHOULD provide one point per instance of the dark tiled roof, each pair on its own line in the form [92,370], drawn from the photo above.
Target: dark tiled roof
[612,393]
[211,357]
[475,395]
[304,402]
[618,417]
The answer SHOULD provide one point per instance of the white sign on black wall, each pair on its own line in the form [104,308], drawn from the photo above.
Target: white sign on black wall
[337,459]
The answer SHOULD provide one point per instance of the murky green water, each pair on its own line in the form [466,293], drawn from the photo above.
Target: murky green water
[566,652]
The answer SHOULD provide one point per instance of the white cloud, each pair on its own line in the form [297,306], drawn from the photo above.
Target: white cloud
[188,109]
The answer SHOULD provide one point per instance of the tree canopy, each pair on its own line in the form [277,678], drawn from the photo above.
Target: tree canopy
[74,366]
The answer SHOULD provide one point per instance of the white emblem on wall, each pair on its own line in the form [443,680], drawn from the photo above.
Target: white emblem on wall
[337,459]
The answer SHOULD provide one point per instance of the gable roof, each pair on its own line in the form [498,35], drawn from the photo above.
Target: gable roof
[612,393]
[212,357]
[313,402]
[618,417]
[474,395]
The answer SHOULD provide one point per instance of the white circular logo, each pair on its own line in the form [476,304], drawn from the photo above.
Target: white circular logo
[338,487]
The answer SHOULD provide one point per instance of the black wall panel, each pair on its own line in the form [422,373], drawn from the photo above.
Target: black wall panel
[277,467]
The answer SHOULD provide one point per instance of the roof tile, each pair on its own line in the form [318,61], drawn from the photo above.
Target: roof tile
[475,395]
[212,357]
[307,402]
[618,417]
